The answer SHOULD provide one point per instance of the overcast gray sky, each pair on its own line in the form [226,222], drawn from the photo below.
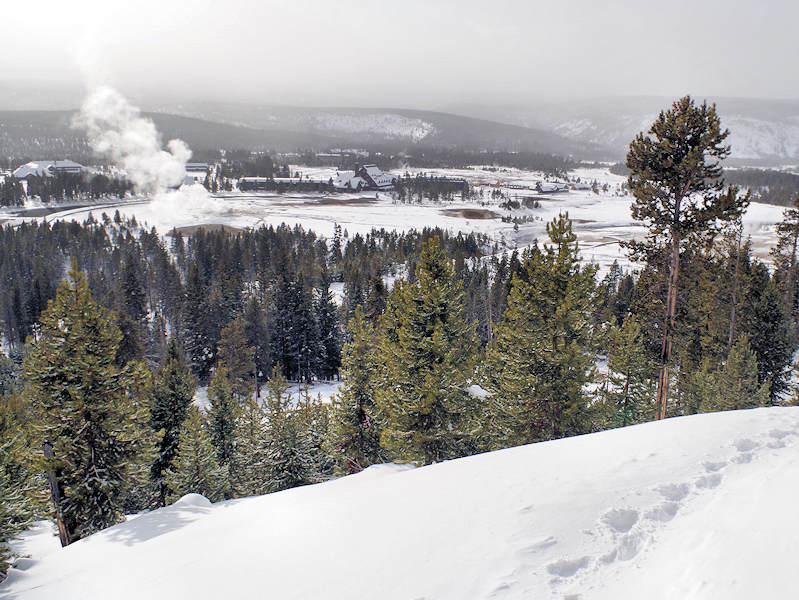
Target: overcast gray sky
[407,53]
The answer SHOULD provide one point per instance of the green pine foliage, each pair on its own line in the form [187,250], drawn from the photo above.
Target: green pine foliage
[628,393]
[736,383]
[354,438]
[18,481]
[236,357]
[196,470]
[290,458]
[222,416]
[542,355]
[92,412]
[252,439]
[172,395]
[428,353]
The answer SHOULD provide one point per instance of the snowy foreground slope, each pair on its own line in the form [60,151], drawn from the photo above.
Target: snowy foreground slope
[694,507]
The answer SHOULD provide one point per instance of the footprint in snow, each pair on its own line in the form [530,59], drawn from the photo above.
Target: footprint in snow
[779,434]
[663,512]
[674,491]
[743,458]
[745,445]
[620,520]
[567,567]
[709,481]
[712,467]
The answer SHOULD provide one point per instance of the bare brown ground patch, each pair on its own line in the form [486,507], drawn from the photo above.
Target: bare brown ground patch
[469,213]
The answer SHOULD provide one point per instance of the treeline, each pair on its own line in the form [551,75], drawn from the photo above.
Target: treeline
[421,186]
[767,185]
[62,187]
[192,288]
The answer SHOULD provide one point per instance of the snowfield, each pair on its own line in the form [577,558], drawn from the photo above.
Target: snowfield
[692,507]
[600,220]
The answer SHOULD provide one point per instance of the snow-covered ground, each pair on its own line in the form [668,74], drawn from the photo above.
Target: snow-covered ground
[601,220]
[692,507]
[318,389]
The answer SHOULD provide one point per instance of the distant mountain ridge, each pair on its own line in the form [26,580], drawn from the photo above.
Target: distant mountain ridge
[761,130]
[371,126]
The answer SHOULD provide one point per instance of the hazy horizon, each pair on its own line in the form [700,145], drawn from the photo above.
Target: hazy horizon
[412,54]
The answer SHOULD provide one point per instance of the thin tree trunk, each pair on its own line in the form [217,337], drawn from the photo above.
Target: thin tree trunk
[735,292]
[668,331]
[55,494]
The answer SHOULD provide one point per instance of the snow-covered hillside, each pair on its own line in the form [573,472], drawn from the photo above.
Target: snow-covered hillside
[693,507]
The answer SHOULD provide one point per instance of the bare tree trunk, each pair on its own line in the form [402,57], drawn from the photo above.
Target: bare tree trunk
[55,494]
[668,331]
[734,307]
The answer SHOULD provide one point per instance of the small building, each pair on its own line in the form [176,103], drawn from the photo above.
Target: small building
[348,180]
[48,168]
[551,187]
[375,178]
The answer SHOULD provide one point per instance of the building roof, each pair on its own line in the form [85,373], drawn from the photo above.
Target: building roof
[46,168]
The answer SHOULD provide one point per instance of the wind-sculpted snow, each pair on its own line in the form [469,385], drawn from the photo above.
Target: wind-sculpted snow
[661,510]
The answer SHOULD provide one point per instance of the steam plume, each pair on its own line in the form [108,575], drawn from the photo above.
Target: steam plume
[117,131]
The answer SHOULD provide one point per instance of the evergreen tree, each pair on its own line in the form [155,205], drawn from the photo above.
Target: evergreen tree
[289,459]
[197,344]
[329,329]
[252,439]
[678,193]
[17,482]
[91,412]
[236,357]
[428,354]
[628,393]
[736,383]
[196,469]
[543,356]
[768,335]
[785,259]
[172,395]
[256,334]
[355,433]
[222,417]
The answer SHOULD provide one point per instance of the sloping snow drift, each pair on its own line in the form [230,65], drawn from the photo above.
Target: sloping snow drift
[693,507]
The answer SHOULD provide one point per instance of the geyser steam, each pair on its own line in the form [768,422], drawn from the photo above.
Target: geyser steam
[117,131]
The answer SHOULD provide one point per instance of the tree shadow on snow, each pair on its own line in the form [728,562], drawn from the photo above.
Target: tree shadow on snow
[153,524]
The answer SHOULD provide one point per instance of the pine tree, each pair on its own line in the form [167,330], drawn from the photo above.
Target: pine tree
[628,393]
[172,395]
[256,334]
[329,329]
[785,257]
[17,482]
[678,193]
[354,438]
[252,439]
[91,412]
[543,356]
[736,383]
[289,460]
[428,355]
[767,329]
[236,357]
[196,470]
[222,417]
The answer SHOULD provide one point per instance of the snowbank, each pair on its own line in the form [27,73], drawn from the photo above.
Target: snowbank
[694,507]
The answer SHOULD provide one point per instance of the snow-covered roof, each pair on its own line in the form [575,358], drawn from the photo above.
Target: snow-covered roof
[348,180]
[379,178]
[46,168]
